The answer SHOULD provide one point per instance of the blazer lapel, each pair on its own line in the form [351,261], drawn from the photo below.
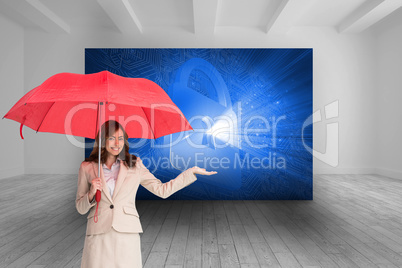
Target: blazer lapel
[105,188]
[120,178]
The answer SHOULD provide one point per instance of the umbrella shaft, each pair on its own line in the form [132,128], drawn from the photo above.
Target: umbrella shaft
[100,136]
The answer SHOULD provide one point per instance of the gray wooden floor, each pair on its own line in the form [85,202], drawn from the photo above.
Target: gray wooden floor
[354,221]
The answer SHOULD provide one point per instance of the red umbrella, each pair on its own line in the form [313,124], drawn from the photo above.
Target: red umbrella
[77,104]
[69,103]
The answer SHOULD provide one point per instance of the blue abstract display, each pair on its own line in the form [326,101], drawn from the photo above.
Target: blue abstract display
[247,108]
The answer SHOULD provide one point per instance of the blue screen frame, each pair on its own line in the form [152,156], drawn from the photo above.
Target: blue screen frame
[268,92]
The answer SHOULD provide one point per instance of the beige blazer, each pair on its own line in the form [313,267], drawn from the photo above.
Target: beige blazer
[119,211]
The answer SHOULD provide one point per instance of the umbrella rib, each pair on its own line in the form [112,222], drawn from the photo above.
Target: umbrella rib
[44,117]
[153,134]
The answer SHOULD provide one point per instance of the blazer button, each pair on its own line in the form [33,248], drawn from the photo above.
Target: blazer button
[111,206]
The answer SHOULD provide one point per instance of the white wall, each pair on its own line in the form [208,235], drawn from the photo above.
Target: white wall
[343,70]
[11,89]
[388,120]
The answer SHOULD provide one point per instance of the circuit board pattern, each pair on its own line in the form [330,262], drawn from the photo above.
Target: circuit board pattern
[265,86]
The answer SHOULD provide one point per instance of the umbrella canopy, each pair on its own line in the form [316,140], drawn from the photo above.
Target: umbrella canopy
[77,104]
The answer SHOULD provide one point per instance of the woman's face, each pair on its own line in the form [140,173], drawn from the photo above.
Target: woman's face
[115,143]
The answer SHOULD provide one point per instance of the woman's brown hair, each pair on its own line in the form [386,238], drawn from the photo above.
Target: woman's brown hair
[108,129]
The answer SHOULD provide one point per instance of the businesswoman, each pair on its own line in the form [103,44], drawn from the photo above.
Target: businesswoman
[114,240]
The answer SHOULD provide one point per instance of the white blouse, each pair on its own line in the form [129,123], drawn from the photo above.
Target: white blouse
[111,175]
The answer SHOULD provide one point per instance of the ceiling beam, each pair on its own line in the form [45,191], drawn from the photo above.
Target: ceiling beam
[282,20]
[123,15]
[288,11]
[205,12]
[36,12]
[278,22]
[368,14]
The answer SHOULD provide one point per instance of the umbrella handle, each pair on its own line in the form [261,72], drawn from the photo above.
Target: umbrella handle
[97,199]
[98,196]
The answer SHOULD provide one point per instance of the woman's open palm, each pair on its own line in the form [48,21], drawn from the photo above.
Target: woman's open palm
[202,171]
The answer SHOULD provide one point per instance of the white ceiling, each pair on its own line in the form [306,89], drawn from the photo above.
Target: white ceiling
[197,16]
